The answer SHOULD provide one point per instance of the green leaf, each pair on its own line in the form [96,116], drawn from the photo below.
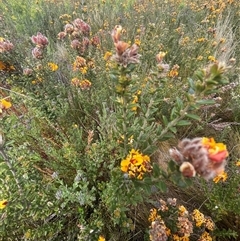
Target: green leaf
[214,69]
[211,82]
[165,120]
[173,129]
[162,186]
[179,103]
[183,123]
[156,170]
[205,102]
[172,166]
[167,136]
[193,116]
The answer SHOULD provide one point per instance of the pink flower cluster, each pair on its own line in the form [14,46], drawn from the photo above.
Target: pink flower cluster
[125,54]
[78,32]
[41,42]
[5,46]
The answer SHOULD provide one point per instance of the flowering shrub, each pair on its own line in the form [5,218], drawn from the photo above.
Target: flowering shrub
[92,103]
[174,222]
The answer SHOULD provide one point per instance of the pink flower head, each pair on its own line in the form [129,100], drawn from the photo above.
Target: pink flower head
[37,53]
[202,156]
[40,40]
[68,28]
[5,46]
[95,41]
[82,26]
[61,35]
[27,71]
[75,44]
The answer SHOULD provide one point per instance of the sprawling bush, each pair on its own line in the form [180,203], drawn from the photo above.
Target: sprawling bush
[119,120]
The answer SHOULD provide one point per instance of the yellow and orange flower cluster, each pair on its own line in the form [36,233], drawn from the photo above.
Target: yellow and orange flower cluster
[83,84]
[136,164]
[217,152]
[80,64]
[166,226]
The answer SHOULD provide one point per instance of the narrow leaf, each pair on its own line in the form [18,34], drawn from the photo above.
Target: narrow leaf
[193,116]
[205,102]
[183,123]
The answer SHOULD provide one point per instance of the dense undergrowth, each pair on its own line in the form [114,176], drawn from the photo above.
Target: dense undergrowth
[113,118]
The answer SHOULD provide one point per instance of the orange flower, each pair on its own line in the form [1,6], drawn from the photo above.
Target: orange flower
[217,152]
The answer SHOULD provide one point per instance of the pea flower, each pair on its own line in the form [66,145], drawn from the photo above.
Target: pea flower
[220,177]
[202,156]
[53,67]
[3,204]
[125,54]
[4,104]
[5,45]
[136,164]
[82,26]
[40,40]
[101,238]
[37,53]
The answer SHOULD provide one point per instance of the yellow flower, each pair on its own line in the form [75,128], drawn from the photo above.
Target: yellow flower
[222,40]
[182,210]
[211,58]
[3,204]
[83,70]
[53,66]
[209,224]
[205,237]
[136,164]
[79,63]
[107,56]
[137,42]
[101,238]
[153,215]
[85,84]
[217,152]
[4,104]
[160,56]
[178,238]
[238,163]
[200,57]
[125,164]
[200,40]
[198,217]
[222,176]
[6,66]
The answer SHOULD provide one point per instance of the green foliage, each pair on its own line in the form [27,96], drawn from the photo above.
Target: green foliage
[78,113]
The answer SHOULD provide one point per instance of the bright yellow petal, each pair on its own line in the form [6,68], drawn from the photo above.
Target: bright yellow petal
[124,165]
[5,104]
[3,204]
